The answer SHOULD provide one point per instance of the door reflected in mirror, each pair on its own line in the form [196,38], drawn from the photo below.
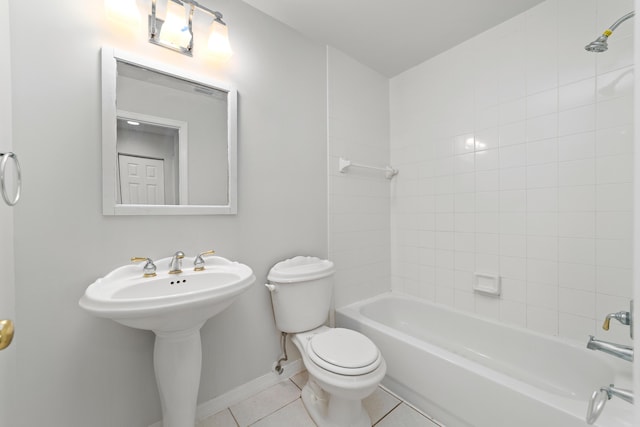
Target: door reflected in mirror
[169,140]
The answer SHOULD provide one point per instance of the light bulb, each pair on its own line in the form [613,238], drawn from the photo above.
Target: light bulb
[123,12]
[219,41]
[175,30]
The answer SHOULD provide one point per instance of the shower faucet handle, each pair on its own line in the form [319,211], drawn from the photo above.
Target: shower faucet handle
[624,317]
[198,263]
[149,268]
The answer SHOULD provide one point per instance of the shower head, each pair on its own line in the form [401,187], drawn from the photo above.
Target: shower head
[600,44]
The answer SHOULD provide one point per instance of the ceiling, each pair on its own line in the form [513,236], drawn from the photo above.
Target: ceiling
[391,36]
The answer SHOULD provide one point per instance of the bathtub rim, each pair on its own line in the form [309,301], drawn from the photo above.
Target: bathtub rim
[565,404]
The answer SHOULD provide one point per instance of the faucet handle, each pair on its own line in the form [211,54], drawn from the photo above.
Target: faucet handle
[149,268]
[623,317]
[198,263]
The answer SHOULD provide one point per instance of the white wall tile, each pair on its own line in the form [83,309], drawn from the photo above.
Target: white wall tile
[514,290]
[577,172]
[542,127]
[614,225]
[543,151]
[577,276]
[577,250]
[614,197]
[612,141]
[541,295]
[614,84]
[577,94]
[542,319]
[487,160]
[542,271]
[580,119]
[513,178]
[613,169]
[542,103]
[542,247]
[529,160]
[514,245]
[488,243]
[619,55]
[542,223]
[513,201]
[615,112]
[513,156]
[513,133]
[513,313]
[576,146]
[576,327]
[513,267]
[577,224]
[614,281]
[542,199]
[577,198]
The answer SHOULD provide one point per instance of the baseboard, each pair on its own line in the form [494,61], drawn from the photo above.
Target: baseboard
[240,393]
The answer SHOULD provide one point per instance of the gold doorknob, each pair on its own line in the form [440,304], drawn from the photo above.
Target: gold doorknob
[6,333]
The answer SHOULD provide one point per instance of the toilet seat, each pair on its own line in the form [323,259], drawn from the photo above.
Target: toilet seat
[344,352]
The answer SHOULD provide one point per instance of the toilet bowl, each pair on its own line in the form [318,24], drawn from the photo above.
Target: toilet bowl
[344,366]
[338,378]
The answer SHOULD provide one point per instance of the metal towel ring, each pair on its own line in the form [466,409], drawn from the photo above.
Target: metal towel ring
[3,185]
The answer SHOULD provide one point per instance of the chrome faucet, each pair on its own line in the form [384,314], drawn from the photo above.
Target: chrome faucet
[149,269]
[175,266]
[624,317]
[198,263]
[612,390]
[600,397]
[619,350]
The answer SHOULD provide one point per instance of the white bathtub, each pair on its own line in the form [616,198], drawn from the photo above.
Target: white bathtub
[466,371]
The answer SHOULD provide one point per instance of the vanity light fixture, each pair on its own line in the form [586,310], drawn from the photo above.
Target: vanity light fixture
[176,30]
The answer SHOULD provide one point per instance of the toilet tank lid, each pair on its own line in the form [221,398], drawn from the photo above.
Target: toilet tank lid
[300,269]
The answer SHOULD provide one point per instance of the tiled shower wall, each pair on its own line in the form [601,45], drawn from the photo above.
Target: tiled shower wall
[515,158]
[359,211]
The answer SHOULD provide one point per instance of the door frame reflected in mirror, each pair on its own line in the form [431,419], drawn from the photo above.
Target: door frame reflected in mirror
[110,113]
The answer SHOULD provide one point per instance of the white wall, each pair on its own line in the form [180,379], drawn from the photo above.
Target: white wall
[7,297]
[75,370]
[359,213]
[544,196]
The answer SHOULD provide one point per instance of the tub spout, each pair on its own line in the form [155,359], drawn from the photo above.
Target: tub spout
[622,351]
[626,395]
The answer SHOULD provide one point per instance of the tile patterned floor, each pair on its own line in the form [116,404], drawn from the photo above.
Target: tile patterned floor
[281,406]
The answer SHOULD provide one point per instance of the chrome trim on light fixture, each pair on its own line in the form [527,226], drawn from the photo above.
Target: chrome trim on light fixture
[155,24]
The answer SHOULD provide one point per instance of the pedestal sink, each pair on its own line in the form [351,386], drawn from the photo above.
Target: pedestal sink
[174,306]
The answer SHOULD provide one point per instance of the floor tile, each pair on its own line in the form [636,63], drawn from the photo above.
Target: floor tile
[221,419]
[293,414]
[379,404]
[405,416]
[300,379]
[264,403]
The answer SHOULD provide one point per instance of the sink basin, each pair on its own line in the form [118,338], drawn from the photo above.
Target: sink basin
[167,302]
[174,307]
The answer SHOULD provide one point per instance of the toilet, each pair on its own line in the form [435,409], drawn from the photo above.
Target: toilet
[344,366]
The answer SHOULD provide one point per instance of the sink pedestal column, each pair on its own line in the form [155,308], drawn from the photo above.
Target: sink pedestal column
[177,359]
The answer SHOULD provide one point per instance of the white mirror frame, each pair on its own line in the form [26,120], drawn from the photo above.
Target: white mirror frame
[110,57]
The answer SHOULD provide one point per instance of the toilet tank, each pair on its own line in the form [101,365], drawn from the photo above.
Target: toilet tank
[301,290]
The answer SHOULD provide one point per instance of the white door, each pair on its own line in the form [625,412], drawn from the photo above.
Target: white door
[141,180]
[7,299]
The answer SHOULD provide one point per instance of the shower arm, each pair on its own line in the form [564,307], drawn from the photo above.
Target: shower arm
[616,24]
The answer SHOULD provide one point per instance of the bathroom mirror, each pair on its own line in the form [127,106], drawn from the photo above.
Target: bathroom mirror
[168,139]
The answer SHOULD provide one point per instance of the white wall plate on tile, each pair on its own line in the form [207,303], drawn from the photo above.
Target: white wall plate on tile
[488,284]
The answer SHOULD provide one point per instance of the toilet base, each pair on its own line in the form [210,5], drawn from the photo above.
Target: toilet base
[330,411]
